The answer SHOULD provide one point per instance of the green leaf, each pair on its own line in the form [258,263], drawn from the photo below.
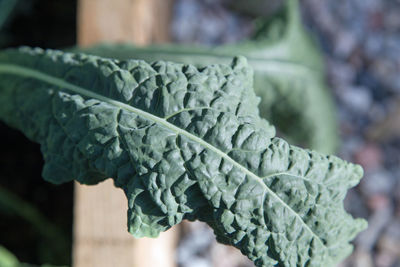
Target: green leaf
[7,259]
[6,7]
[254,7]
[289,75]
[49,233]
[183,143]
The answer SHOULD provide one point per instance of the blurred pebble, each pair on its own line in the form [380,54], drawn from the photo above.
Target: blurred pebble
[350,144]
[378,181]
[197,262]
[392,19]
[384,259]
[389,245]
[208,22]
[355,204]
[397,198]
[340,73]
[362,259]
[196,242]
[369,156]
[378,202]
[377,222]
[393,232]
[226,256]
[358,99]
[345,44]
[376,113]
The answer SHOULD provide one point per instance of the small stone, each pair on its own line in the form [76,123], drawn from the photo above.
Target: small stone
[369,156]
[376,20]
[397,197]
[355,204]
[384,259]
[378,201]
[340,73]
[377,223]
[227,256]
[377,113]
[362,259]
[198,262]
[392,19]
[393,232]
[378,181]
[195,245]
[356,98]
[350,144]
[389,245]
[345,44]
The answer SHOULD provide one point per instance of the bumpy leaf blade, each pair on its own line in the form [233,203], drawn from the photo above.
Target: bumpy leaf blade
[289,75]
[183,143]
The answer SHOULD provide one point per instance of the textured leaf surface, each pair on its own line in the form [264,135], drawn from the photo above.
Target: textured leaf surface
[289,75]
[184,143]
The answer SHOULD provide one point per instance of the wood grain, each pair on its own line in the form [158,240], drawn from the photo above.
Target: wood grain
[101,238]
[100,232]
[138,21]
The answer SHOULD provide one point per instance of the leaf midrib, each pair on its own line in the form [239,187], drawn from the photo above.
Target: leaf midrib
[30,73]
[264,64]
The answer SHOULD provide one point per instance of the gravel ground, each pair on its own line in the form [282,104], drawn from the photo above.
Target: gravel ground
[361,44]
[361,41]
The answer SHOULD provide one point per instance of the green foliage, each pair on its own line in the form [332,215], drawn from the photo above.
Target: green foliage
[13,205]
[6,7]
[183,143]
[7,259]
[255,7]
[289,75]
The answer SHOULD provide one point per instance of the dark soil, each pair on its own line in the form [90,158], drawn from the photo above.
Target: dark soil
[48,24]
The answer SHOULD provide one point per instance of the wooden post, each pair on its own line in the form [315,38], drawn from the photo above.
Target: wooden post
[101,238]
[138,21]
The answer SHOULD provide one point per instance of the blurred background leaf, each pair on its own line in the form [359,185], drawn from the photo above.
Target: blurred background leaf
[6,8]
